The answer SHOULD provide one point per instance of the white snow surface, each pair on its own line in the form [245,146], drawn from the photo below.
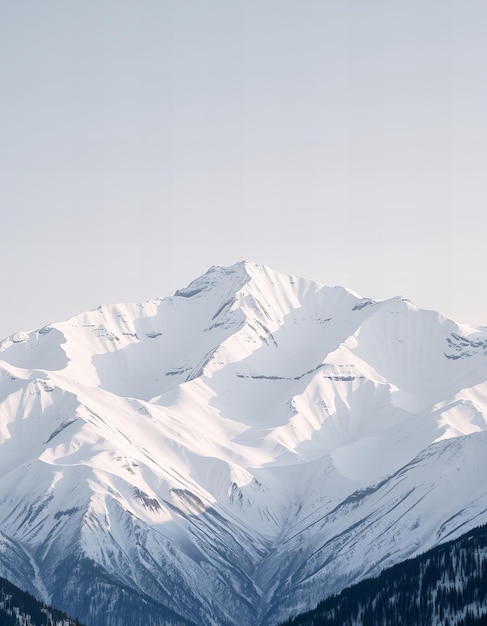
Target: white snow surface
[258,440]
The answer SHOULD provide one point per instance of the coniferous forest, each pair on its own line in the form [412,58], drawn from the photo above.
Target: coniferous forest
[446,586]
[19,608]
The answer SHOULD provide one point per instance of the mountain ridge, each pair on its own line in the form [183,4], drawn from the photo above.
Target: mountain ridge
[229,447]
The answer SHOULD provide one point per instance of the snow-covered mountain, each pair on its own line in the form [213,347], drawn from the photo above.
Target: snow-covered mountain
[235,452]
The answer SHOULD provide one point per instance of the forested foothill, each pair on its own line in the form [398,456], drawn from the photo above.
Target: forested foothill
[446,586]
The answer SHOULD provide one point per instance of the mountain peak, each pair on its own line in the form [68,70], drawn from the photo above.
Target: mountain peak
[221,278]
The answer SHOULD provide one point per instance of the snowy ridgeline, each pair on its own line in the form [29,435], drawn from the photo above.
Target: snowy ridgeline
[18,608]
[446,586]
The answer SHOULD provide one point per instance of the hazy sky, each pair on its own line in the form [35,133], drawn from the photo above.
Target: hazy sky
[144,141]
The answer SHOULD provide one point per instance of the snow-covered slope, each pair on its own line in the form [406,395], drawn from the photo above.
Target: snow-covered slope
[235,449]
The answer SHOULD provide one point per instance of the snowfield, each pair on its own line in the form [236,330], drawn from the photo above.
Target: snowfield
[243,448]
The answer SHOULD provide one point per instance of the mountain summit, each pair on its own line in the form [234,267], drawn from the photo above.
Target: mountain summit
[246,447]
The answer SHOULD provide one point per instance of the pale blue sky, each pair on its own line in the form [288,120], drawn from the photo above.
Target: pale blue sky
[143,141]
